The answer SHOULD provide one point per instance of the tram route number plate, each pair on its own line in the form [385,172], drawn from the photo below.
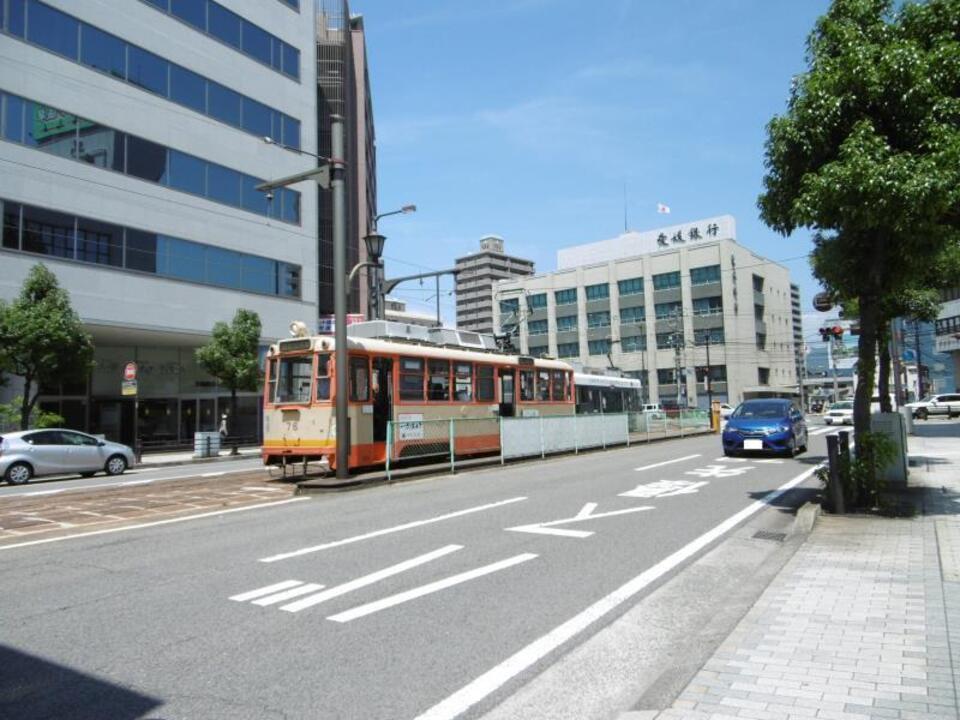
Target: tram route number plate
[409,426]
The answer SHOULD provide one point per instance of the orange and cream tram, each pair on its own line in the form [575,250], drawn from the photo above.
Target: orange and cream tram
[399,380]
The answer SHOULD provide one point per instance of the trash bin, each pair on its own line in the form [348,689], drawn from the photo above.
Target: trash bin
[206,444]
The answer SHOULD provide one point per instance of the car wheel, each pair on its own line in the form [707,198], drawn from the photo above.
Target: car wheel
[792,446]
[729,453]
[115,465]
[18,473]
[922,414]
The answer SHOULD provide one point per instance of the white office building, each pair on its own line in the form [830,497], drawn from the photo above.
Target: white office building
[132,140]
[669,306]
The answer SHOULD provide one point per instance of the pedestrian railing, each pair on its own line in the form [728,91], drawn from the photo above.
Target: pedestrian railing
[519,437]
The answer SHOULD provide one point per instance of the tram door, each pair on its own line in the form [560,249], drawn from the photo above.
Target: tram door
[382,397]
[507,393]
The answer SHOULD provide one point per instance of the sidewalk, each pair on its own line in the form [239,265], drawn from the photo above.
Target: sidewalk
[862,622]
[186,457]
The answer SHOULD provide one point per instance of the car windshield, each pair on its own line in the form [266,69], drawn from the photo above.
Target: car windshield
[845,405]
[755,410]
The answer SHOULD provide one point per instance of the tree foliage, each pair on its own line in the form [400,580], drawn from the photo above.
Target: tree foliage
[42,339]
[232,355]
[867,155]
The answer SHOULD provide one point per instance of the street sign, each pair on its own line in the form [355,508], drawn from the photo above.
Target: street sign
[822,302]
[128,388]
[130,371]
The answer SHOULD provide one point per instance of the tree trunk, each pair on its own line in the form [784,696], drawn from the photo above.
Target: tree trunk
[883,369]
[27,403]
[233,421]
[866,368]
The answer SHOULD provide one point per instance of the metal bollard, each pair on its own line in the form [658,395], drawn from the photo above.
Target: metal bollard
[835,490]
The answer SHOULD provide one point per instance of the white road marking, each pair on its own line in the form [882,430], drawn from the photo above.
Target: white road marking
[665,488]
[369,579]
[731,459]
[213,474]
[387,531]
[433,587]
[168,521]
[33,493]
[276,587]
[132,482]
[771,462]
[496,677]
[718,471]
[547,528]
[667,462]
[288,594]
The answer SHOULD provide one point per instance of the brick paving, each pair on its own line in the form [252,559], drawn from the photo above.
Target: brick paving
[31,518]
[863,622]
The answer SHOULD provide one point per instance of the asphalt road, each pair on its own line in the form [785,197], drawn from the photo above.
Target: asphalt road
[436,598]
[142,475]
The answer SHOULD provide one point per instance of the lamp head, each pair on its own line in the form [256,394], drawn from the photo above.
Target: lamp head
[374,242]
[407,209]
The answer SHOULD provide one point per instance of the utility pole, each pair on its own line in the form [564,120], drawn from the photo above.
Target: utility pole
[916,347]
[897,362]
[676,354]
[833,367]
[709,379]
[340,295]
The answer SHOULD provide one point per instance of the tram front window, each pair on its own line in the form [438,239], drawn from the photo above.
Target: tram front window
[293,380]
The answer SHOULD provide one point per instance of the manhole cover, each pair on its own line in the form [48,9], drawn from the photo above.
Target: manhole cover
[768,535]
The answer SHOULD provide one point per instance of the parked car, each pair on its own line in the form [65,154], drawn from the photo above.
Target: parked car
[653,410]
[948,404]
[767,425]
[840,413]
[32,453]
[725,411]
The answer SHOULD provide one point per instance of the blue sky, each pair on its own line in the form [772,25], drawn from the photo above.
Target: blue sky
[525,118]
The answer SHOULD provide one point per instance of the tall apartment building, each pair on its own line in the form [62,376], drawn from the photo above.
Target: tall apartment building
[799,347]
[131,143]
[655,305]
[343,88]
[476,275]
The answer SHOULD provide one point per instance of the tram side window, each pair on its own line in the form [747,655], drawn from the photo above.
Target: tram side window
[485,383]
[559,385]
[543,385]
[438,387]
[359,379]
[293,380]
[463,382]
[411,378]
[526,385]
[569,387]
[323,377]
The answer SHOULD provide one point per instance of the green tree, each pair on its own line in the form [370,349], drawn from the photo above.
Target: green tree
[232,357]
[867,155]
[42,339]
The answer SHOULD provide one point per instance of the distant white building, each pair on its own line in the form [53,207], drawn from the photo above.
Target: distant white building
[396,310]
[654,304]
[476,275]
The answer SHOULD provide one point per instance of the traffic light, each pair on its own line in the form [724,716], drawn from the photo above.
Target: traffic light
[829,333]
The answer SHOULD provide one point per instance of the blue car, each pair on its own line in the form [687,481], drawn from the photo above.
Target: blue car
[773,426]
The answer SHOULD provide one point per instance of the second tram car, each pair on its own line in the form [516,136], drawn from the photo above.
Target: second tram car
[606,394]
[394,380]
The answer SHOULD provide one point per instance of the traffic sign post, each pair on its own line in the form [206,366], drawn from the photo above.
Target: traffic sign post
[128,388]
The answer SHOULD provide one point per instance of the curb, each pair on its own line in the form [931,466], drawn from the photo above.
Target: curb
[807,516]
[193,461]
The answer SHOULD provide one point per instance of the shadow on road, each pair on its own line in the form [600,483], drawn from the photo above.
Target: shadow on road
[35,689]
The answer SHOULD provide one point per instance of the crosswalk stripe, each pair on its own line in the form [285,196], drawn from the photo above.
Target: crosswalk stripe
[403,597]
[243,597]
[369,579]
[287,594]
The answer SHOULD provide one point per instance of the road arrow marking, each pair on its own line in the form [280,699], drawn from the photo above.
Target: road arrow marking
[718,471]
[665,488]
[586,513]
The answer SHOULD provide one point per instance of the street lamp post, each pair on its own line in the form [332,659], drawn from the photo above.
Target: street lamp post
[375,242]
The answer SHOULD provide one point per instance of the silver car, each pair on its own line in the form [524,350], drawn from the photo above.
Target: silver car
[52,451]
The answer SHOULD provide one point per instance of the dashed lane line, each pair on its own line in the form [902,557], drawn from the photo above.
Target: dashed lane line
[667,462]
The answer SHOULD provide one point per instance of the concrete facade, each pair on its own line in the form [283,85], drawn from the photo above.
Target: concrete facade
[651,313]
[477,274]
[155,318]
[947,331]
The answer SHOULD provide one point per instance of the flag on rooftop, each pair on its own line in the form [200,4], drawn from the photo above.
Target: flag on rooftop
[663,209]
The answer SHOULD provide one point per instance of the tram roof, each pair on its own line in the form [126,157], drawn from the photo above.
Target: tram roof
[325,343]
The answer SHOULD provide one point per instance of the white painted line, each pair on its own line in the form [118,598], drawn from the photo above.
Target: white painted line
[387,531]
[730,459]
[771,462]
[168,521]
[33,493]
[546,528]
[667,462]
[369,579]
[496,677]
[433,587]
[288,594]
[213,474]
[243,597]
[134,482]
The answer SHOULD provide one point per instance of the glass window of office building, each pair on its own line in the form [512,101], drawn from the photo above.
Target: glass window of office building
[665,281]
[705,275]
[597,292]
[566,297]
[536,302]
[633,286]
[568,350]
[598,347]
[566,323]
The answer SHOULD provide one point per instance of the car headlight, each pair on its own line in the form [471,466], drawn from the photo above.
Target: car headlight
[783,427]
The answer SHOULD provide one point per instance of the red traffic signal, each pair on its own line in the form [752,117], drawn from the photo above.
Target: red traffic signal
[836,330]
